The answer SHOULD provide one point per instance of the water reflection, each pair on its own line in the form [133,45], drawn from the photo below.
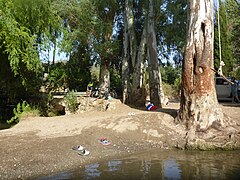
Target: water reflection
[92,171]
[163,165]
[171,169]
[114,165]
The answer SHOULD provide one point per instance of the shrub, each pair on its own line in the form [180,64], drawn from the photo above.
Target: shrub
[171,91]
[71,102]
[23,111]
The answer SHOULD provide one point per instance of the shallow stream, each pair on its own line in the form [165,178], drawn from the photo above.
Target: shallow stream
[162,164]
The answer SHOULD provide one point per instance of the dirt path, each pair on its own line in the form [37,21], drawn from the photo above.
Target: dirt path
[42,146]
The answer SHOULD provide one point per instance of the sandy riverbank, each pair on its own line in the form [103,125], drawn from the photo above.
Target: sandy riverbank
[43,145]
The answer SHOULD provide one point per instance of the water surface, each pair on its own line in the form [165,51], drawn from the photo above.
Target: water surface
[162,164]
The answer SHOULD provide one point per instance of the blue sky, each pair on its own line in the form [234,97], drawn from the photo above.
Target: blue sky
[59,55]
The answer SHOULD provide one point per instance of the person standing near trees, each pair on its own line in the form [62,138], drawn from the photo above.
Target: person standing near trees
[234,87]
[89,89]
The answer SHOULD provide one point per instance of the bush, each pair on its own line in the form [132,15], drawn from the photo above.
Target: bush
[71,102]
[236,73]
[23,111]
[171,91]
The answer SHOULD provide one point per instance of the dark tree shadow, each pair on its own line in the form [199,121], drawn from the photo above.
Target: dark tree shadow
[229,104]
[168,110]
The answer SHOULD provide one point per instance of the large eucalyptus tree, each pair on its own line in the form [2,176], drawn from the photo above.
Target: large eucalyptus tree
[105,45]
[155,79]
[139,45]
[207,128]
[134,53]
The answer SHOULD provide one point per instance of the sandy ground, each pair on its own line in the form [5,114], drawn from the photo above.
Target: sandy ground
[42,146]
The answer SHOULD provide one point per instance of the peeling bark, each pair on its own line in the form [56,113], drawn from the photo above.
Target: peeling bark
[138,93]
[155,79]
[198,89]
[104,77]
[199,108]
[139,66]
[126,57]
[131,31]
[134,56]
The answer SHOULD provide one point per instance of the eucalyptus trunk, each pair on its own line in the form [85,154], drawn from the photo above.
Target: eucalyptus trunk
[199,108]
[125,70]
[131,31]
[137,75]
[138,93]
[155,80]
[126,55]
[134,55]
[104,78]
[199,105]
[54,47]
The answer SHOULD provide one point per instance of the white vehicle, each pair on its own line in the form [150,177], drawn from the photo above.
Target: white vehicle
[223,88]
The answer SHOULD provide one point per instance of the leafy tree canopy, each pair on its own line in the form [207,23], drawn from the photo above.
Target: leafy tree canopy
[17,42]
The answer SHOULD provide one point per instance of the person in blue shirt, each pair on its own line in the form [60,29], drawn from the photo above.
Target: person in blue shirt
[234,87]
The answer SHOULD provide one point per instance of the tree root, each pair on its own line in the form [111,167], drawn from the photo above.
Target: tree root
[227,138]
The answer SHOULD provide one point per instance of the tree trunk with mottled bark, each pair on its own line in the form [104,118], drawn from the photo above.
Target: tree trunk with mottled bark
[199,109]
[54,47]
[138,93]
[155,80]
[134,56]
[126,57]
[104,77]
[137,75]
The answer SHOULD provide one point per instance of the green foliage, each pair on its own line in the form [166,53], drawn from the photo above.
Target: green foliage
[171,27]
[71,102]
[95,71]
[230,28]
[233,11]
[41,19]
[170,73]
[79,20]
[17,42]
[116,80]
[177,84]
[236,74]
[171,77]
[170,91]
[226,46]
[22,111]
[20,68]
[78,69]
[57,77]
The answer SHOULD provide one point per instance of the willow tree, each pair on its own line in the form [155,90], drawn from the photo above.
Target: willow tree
[17,48]
[199,108]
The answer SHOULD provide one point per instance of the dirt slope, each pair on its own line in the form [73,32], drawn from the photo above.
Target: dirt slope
[41,146]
